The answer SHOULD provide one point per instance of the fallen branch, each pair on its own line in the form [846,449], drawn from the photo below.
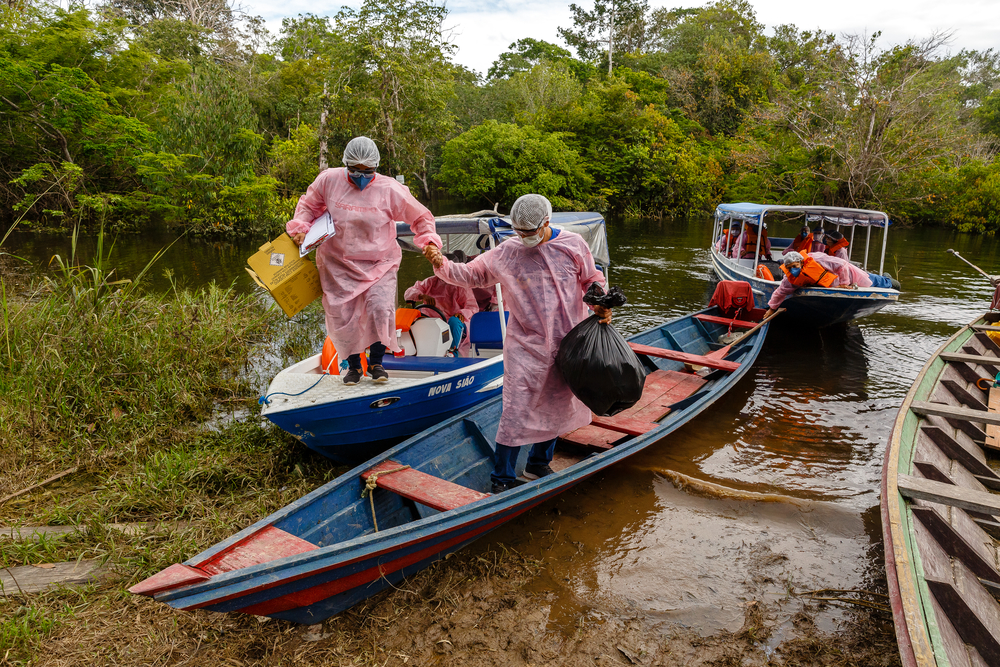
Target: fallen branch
[68,471]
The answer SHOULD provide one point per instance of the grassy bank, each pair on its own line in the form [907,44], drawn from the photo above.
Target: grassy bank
[151,398]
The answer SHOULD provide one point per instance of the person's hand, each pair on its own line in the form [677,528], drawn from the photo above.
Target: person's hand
[429,300]
[767,314]
[603,313]
[433,255]
[298,239]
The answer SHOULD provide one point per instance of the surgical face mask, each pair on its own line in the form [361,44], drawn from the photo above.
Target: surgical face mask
[361,180]
[531,241]
[795,271]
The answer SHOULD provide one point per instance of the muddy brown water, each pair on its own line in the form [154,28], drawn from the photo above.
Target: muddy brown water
[773,491]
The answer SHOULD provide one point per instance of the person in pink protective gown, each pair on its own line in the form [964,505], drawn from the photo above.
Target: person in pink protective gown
[544,275]
[358,264]
[846,275]
[451,300]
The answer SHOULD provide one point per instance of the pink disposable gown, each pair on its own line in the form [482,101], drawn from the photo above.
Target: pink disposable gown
[358,265]
[449,299]
[847,274]
[543,288]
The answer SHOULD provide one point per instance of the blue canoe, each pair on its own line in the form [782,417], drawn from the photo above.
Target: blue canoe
[350,424]
[323,553]
[815,306]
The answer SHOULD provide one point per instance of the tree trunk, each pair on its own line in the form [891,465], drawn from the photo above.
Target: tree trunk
[324,105]
[611,35]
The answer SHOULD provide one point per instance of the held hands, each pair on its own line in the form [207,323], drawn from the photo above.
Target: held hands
[433,255]
[298,239]
[603,313]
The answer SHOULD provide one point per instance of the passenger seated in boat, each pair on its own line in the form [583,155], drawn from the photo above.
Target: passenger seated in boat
[457,304]
[835,244]
[802,242]
[747,243]
[728,239]
[544,274]
[820,270]
[818,235]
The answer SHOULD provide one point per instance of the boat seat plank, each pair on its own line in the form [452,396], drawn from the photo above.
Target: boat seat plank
[988,366]
[963,395]
[985,327]
[945,494]
[434,492]
[964,414]
[954,450]
[267,544]
[684,357]
[623,425]
[968,358]
[661,390]
[933,473]
[725,321]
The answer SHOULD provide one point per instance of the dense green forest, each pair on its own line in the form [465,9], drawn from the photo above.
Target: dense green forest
[189,112]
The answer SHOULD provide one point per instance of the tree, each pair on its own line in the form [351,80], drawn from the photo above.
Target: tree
[612,26]
[499,162]
[523,55]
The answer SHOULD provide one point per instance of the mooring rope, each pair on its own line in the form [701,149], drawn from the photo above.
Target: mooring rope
[263,400]
[370,488]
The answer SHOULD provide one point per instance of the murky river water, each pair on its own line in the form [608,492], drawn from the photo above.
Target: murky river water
[808,426]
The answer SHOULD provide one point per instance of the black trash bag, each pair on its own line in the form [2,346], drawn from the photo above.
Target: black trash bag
[595,296]
[600,368]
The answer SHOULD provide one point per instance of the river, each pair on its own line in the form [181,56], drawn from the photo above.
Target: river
[670,534]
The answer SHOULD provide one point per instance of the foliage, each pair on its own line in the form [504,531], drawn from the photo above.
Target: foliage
[498,162]
[974,204]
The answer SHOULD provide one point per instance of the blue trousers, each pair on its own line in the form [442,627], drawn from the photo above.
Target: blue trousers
[539,455]
[880,281]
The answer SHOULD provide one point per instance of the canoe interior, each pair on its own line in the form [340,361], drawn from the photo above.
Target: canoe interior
[322,553]
[942,558]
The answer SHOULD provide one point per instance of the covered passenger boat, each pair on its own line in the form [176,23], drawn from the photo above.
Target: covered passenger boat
[353,423]
[940,505]
[816,306]
[429,495]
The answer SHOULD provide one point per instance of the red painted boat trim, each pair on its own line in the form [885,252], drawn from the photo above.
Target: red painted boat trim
[907,657]
[425,489]
[267,544]
[175,576]
[736,324]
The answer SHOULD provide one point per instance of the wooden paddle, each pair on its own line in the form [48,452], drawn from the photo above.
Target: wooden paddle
[723,351]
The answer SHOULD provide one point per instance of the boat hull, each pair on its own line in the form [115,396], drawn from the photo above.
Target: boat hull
[354,430]
[816,306]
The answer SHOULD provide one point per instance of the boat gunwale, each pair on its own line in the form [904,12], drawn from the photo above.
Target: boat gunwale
[373,544]
[897,525]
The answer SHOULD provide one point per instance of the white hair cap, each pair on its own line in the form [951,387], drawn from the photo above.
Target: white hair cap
[791,257]
[361,150]
[530,212]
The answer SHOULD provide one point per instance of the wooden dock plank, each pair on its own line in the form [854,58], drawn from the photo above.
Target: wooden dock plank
[434,492]
[684,357]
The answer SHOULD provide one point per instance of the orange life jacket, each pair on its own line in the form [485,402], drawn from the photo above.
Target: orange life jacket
[812,273]
[405,317]
[800,244]
[750,245]
[832,249]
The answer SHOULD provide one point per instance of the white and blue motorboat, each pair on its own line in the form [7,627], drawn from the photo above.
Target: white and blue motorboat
[815,306]
[426,386]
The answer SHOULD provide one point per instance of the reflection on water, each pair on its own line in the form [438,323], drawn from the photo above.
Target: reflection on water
[810,422]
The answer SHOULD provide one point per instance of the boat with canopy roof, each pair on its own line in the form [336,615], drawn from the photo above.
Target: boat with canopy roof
[817,306]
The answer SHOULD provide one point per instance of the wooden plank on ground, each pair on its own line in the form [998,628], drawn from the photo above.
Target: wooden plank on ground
[684,357]
[993,430]
[725,321]
[943,410]
[37,578]
[434,492]
[130,529]
[946,494]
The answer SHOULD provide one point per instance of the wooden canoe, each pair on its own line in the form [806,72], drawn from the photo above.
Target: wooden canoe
[941,510]
[323,553]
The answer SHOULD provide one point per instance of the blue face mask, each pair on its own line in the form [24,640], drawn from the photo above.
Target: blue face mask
[361,180]
[795,271]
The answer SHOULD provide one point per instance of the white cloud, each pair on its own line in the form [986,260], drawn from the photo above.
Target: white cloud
[484,30]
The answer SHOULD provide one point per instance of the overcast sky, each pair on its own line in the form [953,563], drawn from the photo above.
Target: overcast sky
[483,30]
